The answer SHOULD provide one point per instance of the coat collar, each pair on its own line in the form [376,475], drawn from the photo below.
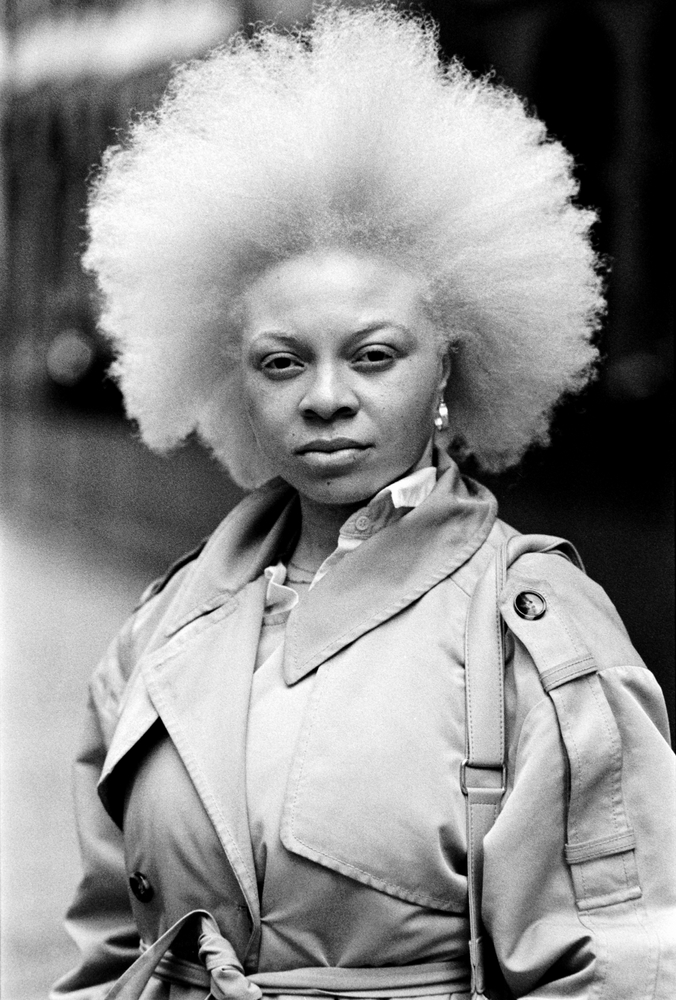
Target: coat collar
[384,575]
[249,539]
[389,571]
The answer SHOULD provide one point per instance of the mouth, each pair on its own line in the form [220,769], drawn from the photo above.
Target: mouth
[330,445]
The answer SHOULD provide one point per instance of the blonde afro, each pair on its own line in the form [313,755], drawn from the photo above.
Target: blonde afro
[353,136]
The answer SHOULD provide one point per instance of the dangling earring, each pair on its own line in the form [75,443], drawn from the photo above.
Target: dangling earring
[441,419]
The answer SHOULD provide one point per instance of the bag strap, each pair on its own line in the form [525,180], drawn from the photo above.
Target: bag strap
[483,772]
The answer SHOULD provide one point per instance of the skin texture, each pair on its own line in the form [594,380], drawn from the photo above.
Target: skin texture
[339,346]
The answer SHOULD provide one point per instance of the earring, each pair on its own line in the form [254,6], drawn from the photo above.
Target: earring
[441,419]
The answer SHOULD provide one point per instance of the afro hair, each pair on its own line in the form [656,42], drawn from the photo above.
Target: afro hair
[351,135]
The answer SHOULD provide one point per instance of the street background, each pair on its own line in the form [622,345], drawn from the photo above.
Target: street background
[88,516]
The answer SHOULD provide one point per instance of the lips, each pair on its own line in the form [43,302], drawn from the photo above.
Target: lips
[331,445]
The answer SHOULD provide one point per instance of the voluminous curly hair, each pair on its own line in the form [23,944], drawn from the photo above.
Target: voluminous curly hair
[350,136]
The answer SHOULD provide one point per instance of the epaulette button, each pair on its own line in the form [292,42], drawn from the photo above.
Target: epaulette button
[530,605]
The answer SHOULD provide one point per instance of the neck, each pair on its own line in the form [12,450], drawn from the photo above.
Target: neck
[320,527]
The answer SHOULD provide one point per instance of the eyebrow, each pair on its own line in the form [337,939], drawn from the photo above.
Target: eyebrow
[287,338]
[291,339]
[381,325]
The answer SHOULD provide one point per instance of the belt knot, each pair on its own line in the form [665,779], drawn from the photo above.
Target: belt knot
[228,981]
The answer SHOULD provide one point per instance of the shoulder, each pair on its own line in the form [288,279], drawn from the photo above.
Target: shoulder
[198,582]
[173,572]
[579,634]
[469,572]
[113,671]
[573,599]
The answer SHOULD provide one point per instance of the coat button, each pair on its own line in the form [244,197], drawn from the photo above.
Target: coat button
[363,523]
[530,605]
[141,887]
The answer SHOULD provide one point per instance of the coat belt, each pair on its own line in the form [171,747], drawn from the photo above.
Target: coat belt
[222,973]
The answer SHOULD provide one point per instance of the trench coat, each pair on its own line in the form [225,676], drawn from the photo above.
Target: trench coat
[373,792]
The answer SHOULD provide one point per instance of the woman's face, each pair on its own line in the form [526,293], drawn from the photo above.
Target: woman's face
[342,373]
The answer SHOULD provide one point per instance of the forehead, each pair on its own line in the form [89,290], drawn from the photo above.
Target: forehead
[338,289]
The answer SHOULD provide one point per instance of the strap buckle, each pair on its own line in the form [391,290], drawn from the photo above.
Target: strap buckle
[482,767]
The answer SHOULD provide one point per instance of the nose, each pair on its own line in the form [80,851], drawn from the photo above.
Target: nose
[329,395]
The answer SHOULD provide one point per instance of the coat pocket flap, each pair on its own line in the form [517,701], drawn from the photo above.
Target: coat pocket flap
[387,728]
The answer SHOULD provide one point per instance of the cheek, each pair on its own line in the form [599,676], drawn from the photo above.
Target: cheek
[411,402]
[269,409]
[258,408]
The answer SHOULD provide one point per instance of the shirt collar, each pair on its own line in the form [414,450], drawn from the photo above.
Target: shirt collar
[388,505]
[412,489]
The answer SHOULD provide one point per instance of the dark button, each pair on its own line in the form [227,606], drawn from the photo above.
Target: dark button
[141,887]
[529,604]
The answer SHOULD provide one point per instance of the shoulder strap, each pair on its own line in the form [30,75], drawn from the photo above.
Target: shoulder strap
[482,773]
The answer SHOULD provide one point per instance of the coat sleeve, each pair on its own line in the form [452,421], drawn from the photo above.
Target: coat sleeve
[579,874]
[99,920]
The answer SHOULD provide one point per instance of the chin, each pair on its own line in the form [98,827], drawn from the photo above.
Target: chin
[341,490]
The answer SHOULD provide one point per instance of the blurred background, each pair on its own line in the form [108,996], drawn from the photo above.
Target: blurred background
[88,516]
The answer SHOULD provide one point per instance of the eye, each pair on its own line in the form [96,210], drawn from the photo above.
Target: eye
[281,365]
[374,357]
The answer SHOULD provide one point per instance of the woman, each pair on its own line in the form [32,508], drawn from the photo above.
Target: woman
[336,261]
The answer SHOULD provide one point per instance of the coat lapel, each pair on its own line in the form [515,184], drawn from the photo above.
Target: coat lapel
[137,716]
[389,571]
[196,672]
[200,684]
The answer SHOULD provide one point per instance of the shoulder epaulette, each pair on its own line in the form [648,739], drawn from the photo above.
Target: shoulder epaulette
[600,843]
[160,583]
